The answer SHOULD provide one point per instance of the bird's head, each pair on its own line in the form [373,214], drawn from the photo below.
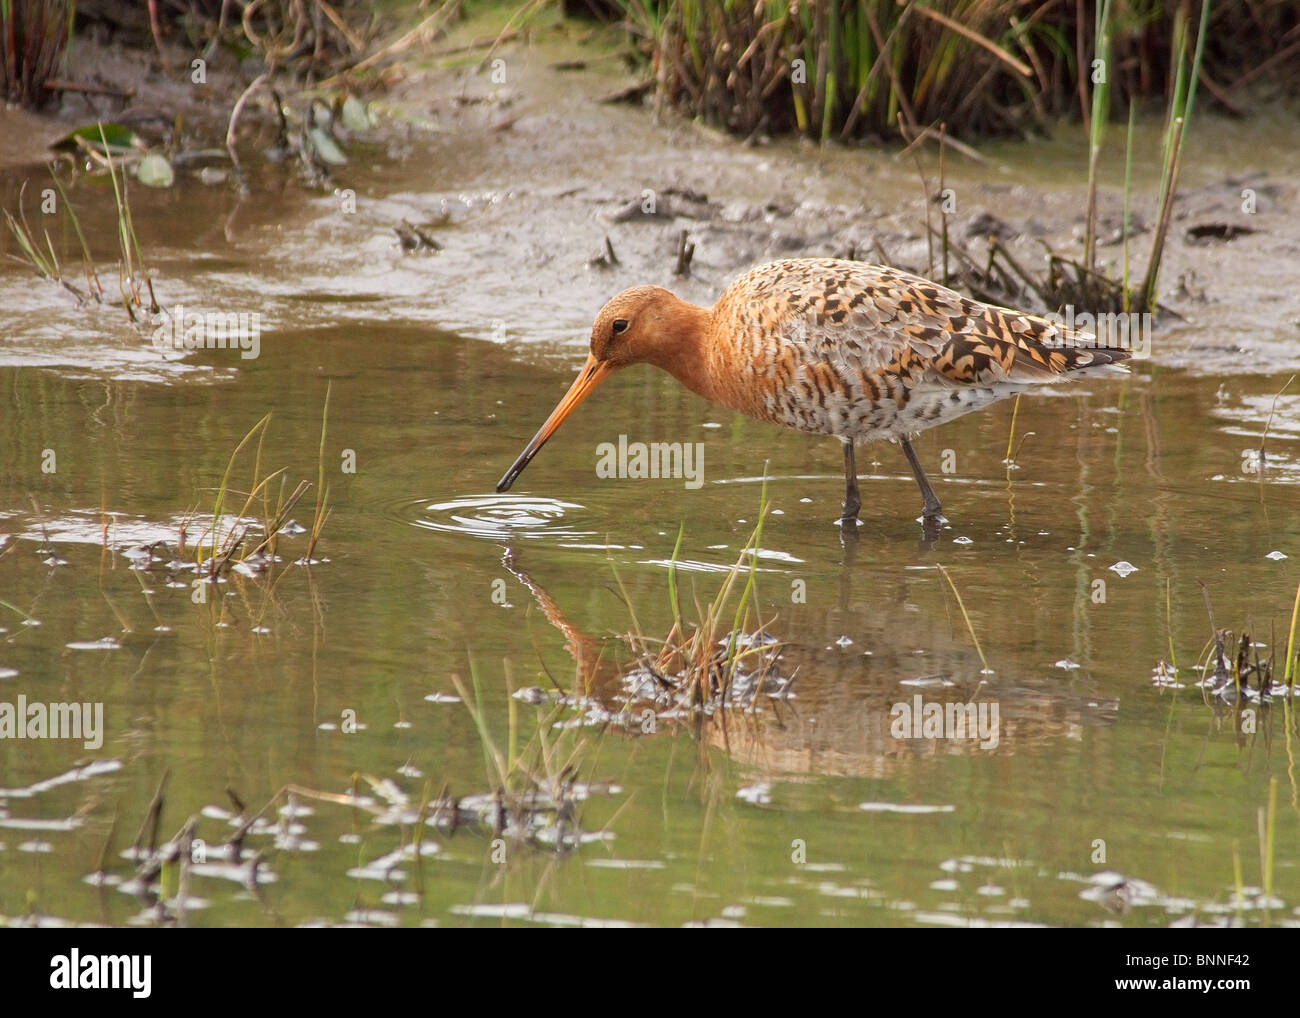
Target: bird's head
[630,326]
[634,327]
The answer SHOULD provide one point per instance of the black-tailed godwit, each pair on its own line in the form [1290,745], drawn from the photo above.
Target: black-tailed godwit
[862,352]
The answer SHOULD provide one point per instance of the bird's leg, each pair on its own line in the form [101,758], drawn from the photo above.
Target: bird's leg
[852,503]
[932,510]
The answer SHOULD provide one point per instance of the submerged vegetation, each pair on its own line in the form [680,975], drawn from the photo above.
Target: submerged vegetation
[40,254]
[230,542]
[534,805]
[723,659]
[1230,669]
[135,283]
[403,830]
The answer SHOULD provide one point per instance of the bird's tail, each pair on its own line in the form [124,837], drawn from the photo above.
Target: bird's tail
[1095,361]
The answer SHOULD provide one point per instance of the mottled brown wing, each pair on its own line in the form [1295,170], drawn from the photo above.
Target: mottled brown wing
[861,318]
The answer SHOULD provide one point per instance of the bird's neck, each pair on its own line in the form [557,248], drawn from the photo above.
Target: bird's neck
[683,347]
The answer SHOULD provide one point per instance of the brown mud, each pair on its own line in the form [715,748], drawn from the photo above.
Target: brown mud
[522,182]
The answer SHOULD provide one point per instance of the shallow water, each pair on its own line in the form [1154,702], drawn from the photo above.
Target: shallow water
[1111,796]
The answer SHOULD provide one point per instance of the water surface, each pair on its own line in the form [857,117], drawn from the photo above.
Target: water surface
[1115,794]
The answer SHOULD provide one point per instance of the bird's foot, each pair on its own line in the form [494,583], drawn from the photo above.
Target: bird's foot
[932,510]
[849,513]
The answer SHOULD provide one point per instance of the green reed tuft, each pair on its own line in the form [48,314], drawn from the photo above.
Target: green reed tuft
[857,68]
[33,34]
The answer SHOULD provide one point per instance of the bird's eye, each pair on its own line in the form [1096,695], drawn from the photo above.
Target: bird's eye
[620,325]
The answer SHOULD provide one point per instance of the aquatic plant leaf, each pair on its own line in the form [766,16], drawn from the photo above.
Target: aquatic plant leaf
[326,147]
[155,171]
[119,138]
[355,116]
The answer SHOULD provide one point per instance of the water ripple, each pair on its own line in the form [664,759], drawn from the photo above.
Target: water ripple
[498,517]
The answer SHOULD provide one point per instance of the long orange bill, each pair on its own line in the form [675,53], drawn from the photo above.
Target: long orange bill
[591,375]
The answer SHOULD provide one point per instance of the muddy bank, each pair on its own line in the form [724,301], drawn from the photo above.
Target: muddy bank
[521,180]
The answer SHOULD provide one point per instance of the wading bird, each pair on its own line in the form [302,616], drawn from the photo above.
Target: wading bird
[862,352]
